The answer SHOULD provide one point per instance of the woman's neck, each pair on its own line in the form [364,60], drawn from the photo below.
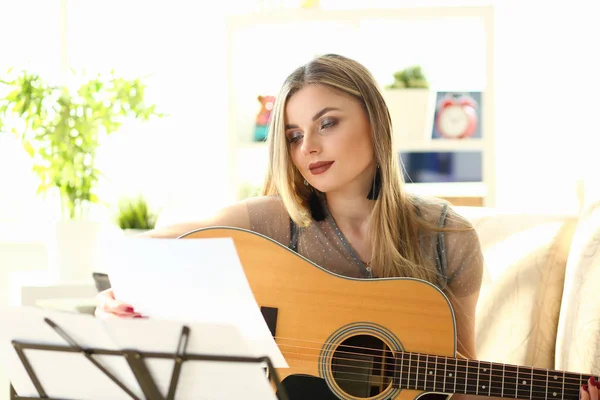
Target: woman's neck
[349,206]
[350,211]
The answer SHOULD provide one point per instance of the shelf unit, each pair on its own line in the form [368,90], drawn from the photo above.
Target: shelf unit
[292,37]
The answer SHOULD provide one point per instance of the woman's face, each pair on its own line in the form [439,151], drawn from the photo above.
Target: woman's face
[330,139]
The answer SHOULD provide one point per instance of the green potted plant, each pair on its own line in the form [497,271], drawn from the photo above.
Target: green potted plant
[61,127]
[247,190]
[135,215]
[409,78]
[408,99]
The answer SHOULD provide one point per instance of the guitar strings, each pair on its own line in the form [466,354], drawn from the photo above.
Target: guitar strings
[420,370]
[468,387]
[537,373]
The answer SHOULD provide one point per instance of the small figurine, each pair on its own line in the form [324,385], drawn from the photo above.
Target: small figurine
[262,119]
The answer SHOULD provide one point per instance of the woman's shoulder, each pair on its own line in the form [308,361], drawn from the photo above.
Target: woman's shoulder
[462,252]
[269,217]
[271,203]
[438,211]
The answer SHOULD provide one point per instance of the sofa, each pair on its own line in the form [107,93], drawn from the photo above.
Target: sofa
[539,303]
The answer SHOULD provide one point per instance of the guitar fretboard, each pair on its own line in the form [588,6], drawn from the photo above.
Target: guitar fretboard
[452,375]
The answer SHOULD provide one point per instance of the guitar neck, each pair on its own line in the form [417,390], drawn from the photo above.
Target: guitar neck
[453,375]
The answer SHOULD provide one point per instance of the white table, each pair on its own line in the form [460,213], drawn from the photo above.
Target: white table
[35,288]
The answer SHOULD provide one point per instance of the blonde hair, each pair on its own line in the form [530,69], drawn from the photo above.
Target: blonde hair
[395,224]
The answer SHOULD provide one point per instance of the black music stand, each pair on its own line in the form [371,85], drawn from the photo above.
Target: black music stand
[135,360]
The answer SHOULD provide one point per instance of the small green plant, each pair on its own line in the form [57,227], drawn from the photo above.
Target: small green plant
[249,190]
[410,77]
[61,128]
[136,214]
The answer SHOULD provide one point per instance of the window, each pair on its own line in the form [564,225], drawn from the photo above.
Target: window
[37,49]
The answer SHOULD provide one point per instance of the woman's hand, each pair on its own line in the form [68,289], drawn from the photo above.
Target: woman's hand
[590,391]
[109,307]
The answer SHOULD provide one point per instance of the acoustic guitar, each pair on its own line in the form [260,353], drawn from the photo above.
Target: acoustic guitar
[346,338]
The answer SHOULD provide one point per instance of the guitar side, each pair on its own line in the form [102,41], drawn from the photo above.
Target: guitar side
[324,321]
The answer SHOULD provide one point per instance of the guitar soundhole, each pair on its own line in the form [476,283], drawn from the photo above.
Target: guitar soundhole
[363,366]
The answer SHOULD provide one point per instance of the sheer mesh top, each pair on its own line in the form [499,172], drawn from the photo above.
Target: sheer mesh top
[457,255]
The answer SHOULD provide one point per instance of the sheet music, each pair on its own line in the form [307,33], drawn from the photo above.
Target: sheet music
[192,280]
[65,375]
[199,379]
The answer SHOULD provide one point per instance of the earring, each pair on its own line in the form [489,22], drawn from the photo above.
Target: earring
[314,204]
[376,187]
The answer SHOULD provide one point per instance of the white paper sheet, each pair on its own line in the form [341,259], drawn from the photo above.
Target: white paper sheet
[62,375]
[198,379]
[192,280]
[72,376]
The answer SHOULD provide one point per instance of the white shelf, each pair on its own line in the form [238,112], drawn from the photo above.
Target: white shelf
[448,189]
[285,16]
[443,145]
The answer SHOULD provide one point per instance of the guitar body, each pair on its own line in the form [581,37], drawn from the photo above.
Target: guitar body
[339,335]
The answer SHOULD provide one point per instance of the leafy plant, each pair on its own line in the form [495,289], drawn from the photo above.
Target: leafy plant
[247,190]
[60,127]
[410,77]
[135,214]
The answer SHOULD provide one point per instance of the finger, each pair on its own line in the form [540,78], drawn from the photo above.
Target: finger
[593,388]
[583,393]
[102,314]
[119,307]
[125,314]
[112,305]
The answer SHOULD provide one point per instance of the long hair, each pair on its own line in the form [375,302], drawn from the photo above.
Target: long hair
[395,225]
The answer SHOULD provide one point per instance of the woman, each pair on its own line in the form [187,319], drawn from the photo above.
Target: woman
[334,193]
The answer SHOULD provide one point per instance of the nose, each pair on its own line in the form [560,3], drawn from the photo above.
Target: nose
[311,144]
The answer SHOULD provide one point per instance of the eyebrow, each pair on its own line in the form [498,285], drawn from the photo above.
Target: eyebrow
[315,117]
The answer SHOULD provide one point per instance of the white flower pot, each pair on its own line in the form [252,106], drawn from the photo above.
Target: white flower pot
[134,232]
[411,114]
[72,250]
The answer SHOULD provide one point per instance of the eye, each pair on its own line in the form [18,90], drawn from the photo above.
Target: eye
[328,123]
[294,137]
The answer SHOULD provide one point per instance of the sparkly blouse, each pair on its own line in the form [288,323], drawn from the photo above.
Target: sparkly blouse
[458,255]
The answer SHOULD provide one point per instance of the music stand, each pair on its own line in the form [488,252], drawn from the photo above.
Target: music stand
[136,361]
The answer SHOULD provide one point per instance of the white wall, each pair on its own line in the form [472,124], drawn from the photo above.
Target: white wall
[547,84]
[178,161]
[544,103]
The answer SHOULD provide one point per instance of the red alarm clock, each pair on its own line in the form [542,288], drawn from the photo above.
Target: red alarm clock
[456,117]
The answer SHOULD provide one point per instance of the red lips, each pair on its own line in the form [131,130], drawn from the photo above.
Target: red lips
[319,164]
[319,167]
